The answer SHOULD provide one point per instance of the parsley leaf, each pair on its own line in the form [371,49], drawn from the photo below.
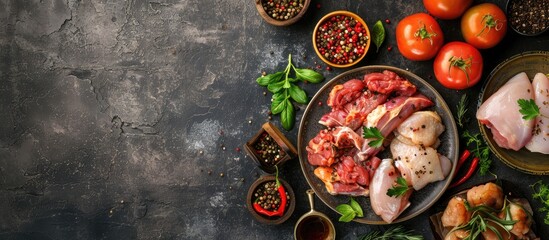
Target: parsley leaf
[541,193]
[528,109]
[400,189]
[375,134]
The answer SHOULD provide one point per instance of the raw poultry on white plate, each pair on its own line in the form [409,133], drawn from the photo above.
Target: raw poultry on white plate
[540,134]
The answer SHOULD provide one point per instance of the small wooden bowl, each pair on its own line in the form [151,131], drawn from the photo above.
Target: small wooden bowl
[290,207]
[284,144]
[344,13]
[270,20]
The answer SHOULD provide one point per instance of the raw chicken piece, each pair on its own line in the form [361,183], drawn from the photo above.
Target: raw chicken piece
[389,82]
[418,165]
[354,113]
[345,93]
[421,128]
[388,116]
[500,112]
[333,185]
[540,138]
[388,208]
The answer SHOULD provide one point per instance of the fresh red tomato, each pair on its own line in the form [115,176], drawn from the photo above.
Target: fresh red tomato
[484,25]
[447,9]
[458,65]
[419,37]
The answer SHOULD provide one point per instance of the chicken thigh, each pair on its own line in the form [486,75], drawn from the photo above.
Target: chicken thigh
[540,135]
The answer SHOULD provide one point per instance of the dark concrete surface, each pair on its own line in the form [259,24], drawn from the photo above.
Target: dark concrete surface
[122,119]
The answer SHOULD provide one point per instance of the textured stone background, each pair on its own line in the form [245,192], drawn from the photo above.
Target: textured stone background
[121,119]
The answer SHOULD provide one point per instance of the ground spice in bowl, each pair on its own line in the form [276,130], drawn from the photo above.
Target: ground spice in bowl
[528,17]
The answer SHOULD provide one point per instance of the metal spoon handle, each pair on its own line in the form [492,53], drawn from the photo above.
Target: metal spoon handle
[311,195]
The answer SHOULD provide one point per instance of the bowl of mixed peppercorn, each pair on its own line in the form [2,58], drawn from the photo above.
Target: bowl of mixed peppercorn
[341,39]
[270,200]
[282,12]
[269,148]
[528,17]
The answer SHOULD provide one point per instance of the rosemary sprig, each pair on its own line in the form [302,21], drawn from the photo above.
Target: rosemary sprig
[393,233]
[462,110]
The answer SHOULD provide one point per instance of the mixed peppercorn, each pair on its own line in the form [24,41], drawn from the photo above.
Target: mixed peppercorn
[341,39]
[268,151]
[282,9]
[271,198]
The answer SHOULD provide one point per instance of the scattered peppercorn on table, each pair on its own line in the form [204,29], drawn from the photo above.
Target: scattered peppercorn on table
[130,119]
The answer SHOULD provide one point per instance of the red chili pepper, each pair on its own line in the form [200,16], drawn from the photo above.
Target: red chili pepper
[283,200]
[470,171]
[464,155]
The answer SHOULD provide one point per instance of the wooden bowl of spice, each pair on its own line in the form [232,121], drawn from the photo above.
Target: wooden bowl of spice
[282,12]
[528,17]
[269,148]
[341,39]
[271,200]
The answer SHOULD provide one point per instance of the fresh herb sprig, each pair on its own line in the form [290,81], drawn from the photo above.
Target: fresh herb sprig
[462,110]
[393,233]
[528,109]
[284,90]
[541,193]
[482,216]
[480,149]
[378,34]
[375,134]
[399,189]
[349,211]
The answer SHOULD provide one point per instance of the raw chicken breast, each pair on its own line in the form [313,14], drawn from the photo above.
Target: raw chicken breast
[388,208]
[421,128]
[540,135]
[418,165]
[500,113]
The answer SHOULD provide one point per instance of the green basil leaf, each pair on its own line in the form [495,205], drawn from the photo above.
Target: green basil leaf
[344,209]
[356,207]
[293,80]
[378,34]
[275,87]
[308,75]
[287,116]
[298,94]
[347,217]
[286,84]
[278,104]
[270,78]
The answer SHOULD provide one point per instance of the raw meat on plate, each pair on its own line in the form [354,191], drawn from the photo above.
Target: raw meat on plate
[500,113]
[540,138]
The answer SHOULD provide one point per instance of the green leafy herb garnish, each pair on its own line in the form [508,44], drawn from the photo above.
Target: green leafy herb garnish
[393,233]
[480,150]
[528,109]
[541,193]
[349,211]
[462,110]
[378,34]
[399,189]
[285,90]
[375,134]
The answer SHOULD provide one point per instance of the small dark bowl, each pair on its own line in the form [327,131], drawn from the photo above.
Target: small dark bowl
[275,219]
[511,18]
[277,22]
[279,138]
